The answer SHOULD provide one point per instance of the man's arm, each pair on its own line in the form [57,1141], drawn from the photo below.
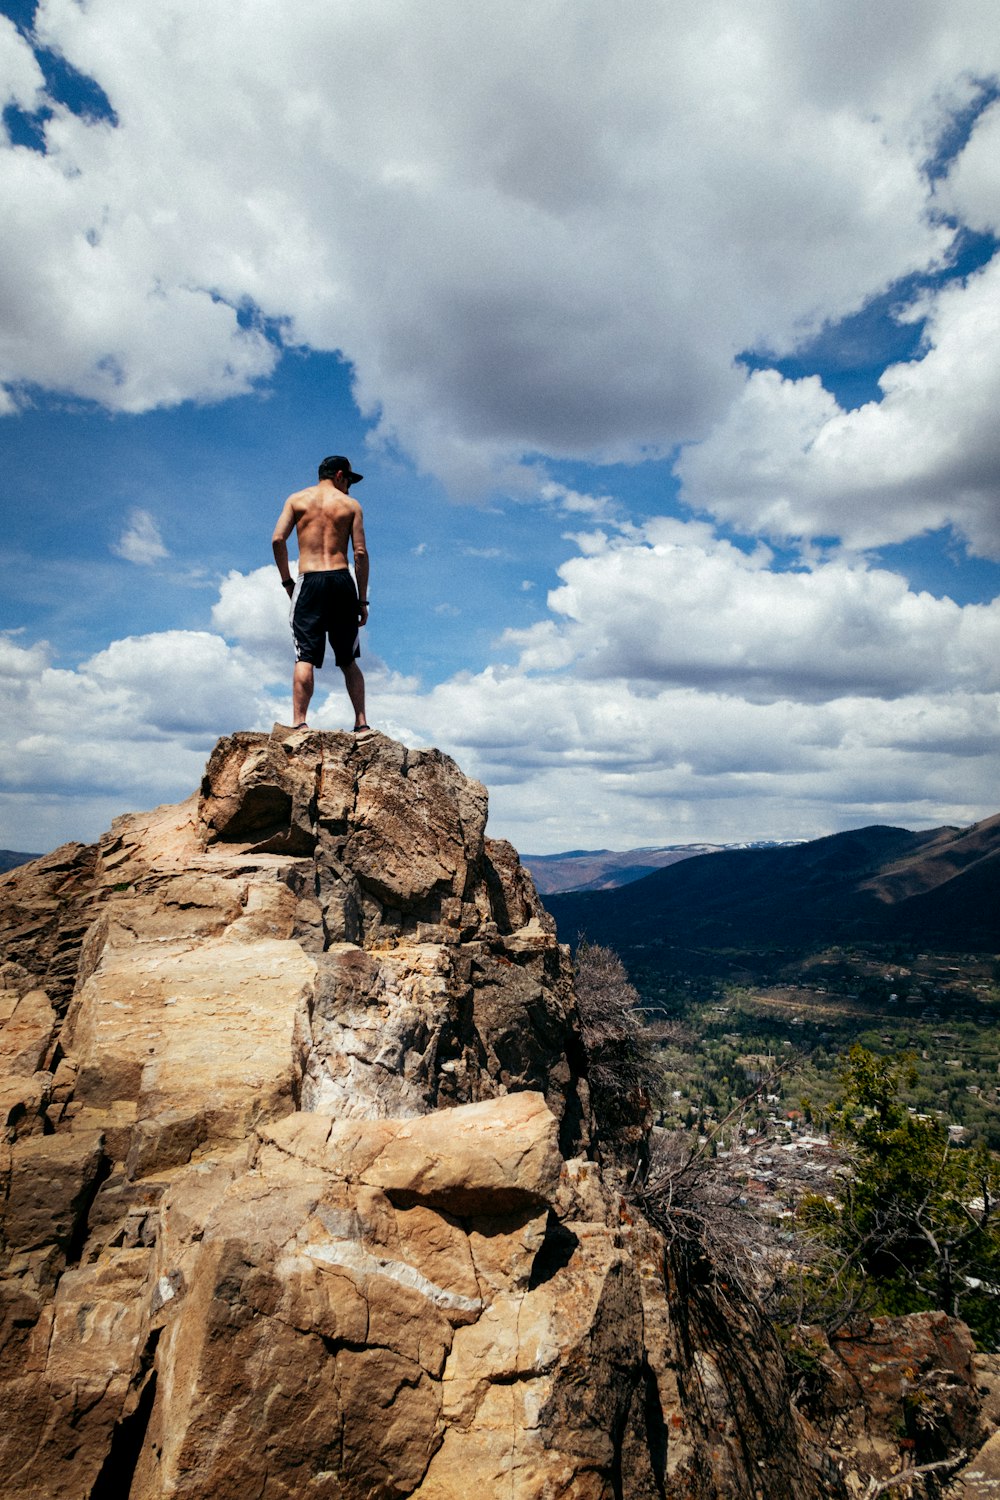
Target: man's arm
[279,543]
[360,563]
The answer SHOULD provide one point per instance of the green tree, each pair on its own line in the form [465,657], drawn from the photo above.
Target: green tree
[917,1215]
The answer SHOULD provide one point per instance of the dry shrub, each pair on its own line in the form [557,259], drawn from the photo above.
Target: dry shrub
[623,1068]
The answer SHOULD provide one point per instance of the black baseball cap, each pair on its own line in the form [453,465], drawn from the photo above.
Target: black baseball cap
[336,464]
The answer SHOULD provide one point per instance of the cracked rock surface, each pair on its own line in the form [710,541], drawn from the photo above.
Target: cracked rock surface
[295,1189]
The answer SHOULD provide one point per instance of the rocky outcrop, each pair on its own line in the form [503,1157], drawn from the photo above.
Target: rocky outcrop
[891,1394]
[43,918]
[297,1196]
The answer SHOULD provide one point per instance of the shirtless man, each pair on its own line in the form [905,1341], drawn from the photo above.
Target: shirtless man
[325,602]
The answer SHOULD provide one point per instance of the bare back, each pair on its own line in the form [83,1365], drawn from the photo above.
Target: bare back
[326,521]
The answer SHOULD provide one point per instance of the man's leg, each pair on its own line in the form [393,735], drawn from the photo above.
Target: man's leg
[354,679]
[302,690]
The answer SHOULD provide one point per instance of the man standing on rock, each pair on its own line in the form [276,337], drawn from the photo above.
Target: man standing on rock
[325,602]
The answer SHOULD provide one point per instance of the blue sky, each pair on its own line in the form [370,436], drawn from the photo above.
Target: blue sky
[670,365]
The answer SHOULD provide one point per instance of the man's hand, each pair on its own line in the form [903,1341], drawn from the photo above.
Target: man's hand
[362,611]
[288,584]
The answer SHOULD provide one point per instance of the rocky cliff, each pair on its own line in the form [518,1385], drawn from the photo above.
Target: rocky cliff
[298,1189]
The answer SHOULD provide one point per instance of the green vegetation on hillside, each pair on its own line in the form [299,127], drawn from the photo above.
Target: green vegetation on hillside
[832,1138]
[914,1222]
[943,1009]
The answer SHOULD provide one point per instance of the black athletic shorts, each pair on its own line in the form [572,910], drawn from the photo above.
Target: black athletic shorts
[325,605]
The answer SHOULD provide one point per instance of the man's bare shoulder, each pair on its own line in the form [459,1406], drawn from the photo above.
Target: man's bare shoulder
[302,499]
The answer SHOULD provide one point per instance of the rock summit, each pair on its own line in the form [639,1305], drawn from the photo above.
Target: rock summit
[300,1195]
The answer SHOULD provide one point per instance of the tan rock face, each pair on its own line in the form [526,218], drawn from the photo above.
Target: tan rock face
[295,1197]
[44,916]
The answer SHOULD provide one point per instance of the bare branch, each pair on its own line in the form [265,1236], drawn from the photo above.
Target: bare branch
[907,1475]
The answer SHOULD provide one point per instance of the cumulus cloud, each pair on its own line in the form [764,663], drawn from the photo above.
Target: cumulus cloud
[518,260]
[129,727]
[570,762]
[20,664]
[140,541]
[680,688]
[673,603]
[789,463]
[684,688]
[178,682]
[252,611]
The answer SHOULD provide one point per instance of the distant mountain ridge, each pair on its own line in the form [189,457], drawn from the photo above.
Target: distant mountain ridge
[10,859]
[606,869]
[939,887]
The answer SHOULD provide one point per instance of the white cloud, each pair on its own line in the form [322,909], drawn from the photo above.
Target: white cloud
[972,189]
[683,689]
[675,604]
[252,610]
[787,462]
[20,664]
[179,682]
[572,503]
[570,762]
[128,728]
[21,79]
[680,688]
[518,260]
[140,542]
[525,262]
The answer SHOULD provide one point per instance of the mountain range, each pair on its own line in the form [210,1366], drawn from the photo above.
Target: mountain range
[939,888]
[606,869]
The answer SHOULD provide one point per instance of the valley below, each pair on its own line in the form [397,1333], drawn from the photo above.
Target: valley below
[770,962]
[726,1035]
